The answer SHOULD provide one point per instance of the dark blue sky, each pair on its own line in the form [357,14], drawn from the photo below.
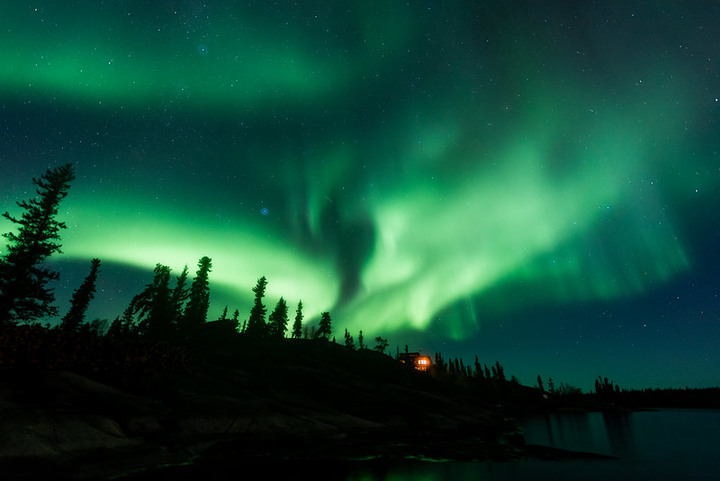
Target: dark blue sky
[532,182]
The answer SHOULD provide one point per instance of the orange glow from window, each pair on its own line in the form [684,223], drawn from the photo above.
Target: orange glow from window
[422,363]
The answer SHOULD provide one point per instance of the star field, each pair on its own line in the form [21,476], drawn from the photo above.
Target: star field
[534,183]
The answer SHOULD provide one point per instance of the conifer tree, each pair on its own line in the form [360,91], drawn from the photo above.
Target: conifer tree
[24,291]
[256,323]
[297,329]
[325,326]
[349,342]
[235,321]
[179,295]
[500,372]
[198,300]
[381,344]
[123,326]
[278,319]
[361,341]
[154,306]
[80,300]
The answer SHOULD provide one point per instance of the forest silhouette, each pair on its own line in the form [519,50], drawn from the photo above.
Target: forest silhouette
[165,328]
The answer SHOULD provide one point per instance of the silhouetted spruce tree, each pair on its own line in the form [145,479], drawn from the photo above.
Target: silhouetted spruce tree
[179,296]
[349,342]
[223,316]
[361,341]
[500,372]
[235,320]
[278,320]
[80,300]
[381,344]
[124,326]
[198,300]
[24,291]
[605,387]
[115,328]
[256,323]
[478,368]
[297,324]
[325,326]
[155,308]
[439,366]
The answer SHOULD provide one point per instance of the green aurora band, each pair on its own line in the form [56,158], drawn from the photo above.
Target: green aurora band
[534,173]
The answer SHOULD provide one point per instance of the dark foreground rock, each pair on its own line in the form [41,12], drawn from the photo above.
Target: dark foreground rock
[310,402]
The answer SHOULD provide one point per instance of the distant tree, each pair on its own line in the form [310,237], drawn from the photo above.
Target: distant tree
[603,386]
[566,390]
[256,323]
[80,300]
[381,344]
[500,372]
[95,327]
[297,328]
[123,326]
[236,322]
[551,386]
[349,343]
[154,306]
[24,292]
[198,300]
[325,326]
[439,366]
[115,328]
[361,341]
[278,320]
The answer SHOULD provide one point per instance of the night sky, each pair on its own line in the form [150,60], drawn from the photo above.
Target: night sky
[533,182]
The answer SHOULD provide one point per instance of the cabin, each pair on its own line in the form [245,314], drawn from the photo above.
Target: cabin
[419,361]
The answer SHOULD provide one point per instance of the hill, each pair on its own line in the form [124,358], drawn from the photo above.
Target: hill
[254,401]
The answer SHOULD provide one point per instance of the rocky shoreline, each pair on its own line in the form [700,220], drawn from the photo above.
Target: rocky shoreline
[312,403]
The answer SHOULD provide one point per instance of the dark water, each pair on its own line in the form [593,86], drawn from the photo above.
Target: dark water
[655,445]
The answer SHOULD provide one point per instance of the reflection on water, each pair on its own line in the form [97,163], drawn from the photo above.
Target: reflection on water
[661,445]
[664,445]
[609,433]
[619,432]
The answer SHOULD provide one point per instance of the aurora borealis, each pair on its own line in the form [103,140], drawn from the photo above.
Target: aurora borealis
[531,182]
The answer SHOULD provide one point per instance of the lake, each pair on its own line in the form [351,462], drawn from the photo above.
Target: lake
[671,444]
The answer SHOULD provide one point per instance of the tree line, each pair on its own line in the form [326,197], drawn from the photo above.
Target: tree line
[177,312]
[165,310]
